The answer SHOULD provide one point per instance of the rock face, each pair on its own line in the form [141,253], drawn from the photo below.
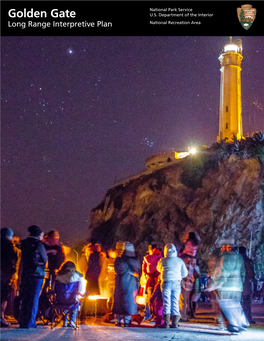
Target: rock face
[216,198]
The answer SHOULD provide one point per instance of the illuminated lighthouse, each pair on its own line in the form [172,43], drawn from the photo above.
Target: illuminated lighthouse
[230,113]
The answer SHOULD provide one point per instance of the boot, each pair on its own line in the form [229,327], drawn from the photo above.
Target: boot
[175,319]
[166,321]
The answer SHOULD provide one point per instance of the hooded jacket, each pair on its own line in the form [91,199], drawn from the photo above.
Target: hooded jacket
[70,277]
[126,284]
[231,274]
[149,267]
[171,267]
[67,286]
[150,262]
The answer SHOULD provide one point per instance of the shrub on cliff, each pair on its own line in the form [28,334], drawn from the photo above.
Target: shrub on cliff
[195,166]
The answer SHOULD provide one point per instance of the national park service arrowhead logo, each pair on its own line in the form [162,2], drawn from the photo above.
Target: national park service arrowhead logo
[246,15]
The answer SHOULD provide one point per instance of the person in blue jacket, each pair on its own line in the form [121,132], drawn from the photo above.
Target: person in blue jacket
[33,261]
[127,268]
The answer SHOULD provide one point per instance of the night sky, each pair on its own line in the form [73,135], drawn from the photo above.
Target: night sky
[79,113]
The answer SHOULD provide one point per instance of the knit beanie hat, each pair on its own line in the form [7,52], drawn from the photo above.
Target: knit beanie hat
[34,231]
[6,232]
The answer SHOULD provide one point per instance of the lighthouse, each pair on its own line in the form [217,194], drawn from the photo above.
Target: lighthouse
[230,112]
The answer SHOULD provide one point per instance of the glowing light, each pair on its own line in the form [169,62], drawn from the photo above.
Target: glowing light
[192,150]
[83,286]
[95,297]
[66,249]
[181,155]
[141,300]
[231,47]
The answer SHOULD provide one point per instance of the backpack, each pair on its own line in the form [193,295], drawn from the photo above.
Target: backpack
[31,258]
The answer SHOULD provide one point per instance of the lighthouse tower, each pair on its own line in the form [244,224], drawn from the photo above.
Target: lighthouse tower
[230,115]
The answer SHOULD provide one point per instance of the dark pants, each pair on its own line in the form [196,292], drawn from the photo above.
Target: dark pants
[159,313]
[126,318]
[185,303]
[31,289]
[5,287]
[246,305]
[149,309]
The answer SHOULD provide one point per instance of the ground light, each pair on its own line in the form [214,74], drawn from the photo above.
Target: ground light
[95,298]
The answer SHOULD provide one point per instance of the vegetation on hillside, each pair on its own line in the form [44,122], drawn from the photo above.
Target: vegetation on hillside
[246,148]
[196,166]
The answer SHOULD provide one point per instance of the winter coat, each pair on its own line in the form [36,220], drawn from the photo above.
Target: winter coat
[231,273]
[250,277]
[187,283]
[67,286]
[126,285]
[33,258]
[150,262]
[149,267]
[171,267]
[56,258]
[8,259]
[93,273]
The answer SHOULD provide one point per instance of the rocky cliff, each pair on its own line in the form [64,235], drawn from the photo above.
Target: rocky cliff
[217,192]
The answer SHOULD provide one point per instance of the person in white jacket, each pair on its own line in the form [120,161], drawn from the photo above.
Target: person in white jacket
[172,269]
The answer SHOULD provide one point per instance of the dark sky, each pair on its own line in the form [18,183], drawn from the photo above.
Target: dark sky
[79,113]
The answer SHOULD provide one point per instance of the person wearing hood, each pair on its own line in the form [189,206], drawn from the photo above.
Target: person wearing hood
[8,268]
[172,269]
[33,262]
[127,268]
[228,281]
[69,284]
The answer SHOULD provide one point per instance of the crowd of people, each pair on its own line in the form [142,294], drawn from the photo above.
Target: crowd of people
[23,269]
[168,279]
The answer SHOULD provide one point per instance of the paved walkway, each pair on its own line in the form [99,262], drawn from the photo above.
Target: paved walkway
[97,330]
